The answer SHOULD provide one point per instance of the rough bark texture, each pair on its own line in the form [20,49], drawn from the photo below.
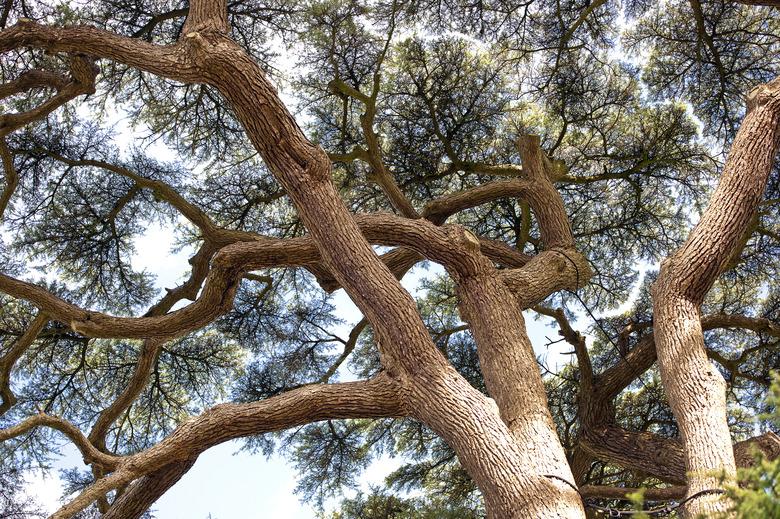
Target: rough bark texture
[695,389]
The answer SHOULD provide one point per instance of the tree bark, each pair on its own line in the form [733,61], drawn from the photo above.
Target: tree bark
[435,392]
[428,384]
[695,389]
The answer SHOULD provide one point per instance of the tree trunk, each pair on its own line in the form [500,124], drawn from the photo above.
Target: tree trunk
[695,389]
[435,393]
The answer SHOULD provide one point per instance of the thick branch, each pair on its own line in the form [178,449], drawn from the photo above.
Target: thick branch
[661,457]
[170,61]
[376,398]
[696,391]
[207,15]
[143,493]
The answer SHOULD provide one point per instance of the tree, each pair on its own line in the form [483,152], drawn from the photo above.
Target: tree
[566,143]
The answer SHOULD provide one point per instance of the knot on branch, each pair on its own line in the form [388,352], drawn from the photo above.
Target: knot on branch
[576,260]
[764,95]
[84,69]
[197,43]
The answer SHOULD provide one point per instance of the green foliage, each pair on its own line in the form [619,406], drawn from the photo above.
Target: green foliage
[758,492]
[381,505]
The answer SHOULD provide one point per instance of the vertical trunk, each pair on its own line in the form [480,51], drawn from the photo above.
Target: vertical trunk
[695,389]
[512,377]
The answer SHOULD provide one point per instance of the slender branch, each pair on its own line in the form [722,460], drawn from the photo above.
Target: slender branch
[148,27]
[9,359]
[83,72]
[649,494]
[31,79]
[349,347]
[90,453]
[380,174]
[639,359]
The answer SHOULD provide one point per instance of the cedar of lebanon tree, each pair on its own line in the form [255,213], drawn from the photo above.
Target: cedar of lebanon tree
[558,166]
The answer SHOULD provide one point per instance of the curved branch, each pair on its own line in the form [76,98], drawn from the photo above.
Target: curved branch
[640,358]
[31,79]
[83,72]
[229,265]
[143,367]
[375,398]
[90,453]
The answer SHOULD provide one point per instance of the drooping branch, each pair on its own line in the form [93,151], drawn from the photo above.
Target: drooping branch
[187,209]
[143,368]
[146,30]
[349,347]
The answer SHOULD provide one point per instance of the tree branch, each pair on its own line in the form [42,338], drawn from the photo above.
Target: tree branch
[83,72]
[9,359]
[90,453]
[375,398]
